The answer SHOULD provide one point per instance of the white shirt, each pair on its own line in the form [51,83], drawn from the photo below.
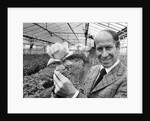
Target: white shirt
[109,69]
[76,94]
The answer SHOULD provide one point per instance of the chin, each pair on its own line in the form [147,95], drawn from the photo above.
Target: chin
[106,65]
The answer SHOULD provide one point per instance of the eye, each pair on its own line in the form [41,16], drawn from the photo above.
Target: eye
[100,49]
[108,48]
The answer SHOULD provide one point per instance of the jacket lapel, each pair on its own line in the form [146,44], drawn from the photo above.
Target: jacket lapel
[94,73]
[109,78]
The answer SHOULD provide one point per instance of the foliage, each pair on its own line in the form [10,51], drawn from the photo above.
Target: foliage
[36,83]
[123,59]
[33,63]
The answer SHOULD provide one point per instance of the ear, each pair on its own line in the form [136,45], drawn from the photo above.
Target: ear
[118,50]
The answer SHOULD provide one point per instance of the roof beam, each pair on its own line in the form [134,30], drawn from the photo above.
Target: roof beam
[43,28]
[37,39]
[86,32]
[66,33]
[52,33]
[73,31]
[78,25]
[123,31]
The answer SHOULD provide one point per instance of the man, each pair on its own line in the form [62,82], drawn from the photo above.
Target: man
[112,85]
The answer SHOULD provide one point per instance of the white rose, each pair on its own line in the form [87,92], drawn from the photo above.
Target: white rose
[58,51]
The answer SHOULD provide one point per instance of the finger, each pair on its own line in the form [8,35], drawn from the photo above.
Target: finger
[54,83]
[60,76]
[56,80]
[56,89]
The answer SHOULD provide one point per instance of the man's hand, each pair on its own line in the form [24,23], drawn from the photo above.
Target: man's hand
[63,86]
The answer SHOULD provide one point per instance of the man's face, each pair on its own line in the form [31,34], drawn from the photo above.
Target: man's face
[106,50]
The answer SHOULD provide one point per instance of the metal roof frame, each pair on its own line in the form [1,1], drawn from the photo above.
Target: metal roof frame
[73,33]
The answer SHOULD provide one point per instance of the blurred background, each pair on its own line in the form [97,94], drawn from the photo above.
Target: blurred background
[79,36]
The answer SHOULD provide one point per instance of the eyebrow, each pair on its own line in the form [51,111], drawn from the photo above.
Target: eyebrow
[104,46]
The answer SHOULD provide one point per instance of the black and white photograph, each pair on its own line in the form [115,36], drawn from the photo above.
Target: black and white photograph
[74,60]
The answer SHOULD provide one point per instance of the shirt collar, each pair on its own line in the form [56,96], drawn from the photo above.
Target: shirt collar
[109,69]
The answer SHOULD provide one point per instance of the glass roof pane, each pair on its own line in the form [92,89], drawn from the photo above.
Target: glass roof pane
[116,28]
[117,25]
[31,29]
[26,25]
[122,24]
[105,24]
[34,32]
[41,34]
[125,24]
[72,32]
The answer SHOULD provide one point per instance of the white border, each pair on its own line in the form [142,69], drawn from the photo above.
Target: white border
[18,104]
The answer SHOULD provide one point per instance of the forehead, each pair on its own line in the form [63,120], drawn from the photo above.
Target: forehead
[104,38]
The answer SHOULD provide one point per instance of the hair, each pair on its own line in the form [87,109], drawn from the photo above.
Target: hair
[115,37]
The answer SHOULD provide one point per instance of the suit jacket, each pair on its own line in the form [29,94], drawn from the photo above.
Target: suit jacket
[113,84]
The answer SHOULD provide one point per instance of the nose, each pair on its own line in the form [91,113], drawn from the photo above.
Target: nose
[104,53]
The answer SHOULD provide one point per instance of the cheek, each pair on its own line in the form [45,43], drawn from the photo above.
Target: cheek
[115,55]
[98,53]
[113,52]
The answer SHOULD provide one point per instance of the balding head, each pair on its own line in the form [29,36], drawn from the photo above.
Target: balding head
[105,35]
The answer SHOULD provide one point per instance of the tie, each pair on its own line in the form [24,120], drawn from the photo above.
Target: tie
[102,73]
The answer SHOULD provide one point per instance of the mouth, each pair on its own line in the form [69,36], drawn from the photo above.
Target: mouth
[105,60]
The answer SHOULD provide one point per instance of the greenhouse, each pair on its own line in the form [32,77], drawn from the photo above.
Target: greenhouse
[39,63]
